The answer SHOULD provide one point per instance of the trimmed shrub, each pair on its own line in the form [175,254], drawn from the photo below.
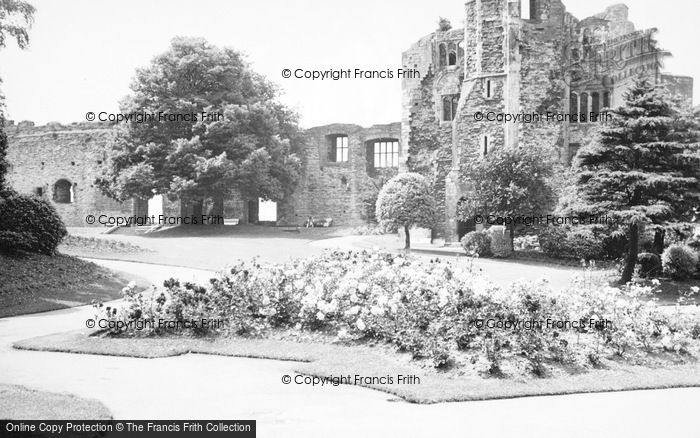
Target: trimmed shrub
[477,243]
[679,262]
[649,265]
[501,246]
[28,223]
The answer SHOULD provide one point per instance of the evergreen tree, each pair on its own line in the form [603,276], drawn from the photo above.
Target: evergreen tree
[643,168]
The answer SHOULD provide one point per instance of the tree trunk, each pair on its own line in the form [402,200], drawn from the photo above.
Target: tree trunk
[659,237]
[408,238]
[632,252]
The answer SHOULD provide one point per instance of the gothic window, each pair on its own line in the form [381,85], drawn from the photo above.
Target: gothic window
[452,55]
[386,153]
[338,150]
[595,103]
[63,192]
[443,55]
[449,107]
[573,107]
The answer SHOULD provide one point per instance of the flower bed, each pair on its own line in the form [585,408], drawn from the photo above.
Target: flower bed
[437,311]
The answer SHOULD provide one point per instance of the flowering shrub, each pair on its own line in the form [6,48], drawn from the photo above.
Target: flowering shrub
[579,243]
[436,310]
[477,243]
[679,262]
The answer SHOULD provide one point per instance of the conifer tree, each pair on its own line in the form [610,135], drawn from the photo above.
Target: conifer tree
[643,168]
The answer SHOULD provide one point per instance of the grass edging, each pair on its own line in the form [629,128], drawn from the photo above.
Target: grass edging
[317,359]
[22,403]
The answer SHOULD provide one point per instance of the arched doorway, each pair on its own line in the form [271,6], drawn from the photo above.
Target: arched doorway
[63,192]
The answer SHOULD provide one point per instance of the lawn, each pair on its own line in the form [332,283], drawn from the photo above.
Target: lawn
[312,358]
[20,403]
[34,283]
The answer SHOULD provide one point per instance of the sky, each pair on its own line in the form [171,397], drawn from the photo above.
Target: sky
[83,53]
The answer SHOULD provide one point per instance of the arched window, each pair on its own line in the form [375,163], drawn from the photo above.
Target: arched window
[583,107]
[63,192]
[606,99]
[595,103]
[452,54]
[443,55]
[573,108]
[460,51]
[450,103]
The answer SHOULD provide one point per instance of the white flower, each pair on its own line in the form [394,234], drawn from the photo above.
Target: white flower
[320,316]
[375,310]
[360,325]
[655,282]
[362,287]
[298,326]
[266,301]
[695,289]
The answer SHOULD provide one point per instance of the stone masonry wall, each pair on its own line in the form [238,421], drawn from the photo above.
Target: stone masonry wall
[41,156]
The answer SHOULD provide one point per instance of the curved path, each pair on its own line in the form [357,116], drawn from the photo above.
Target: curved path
[212,387]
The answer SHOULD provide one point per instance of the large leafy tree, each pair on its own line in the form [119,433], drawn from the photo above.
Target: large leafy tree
[643,169]
[16,17]
[509,183]
[249,148]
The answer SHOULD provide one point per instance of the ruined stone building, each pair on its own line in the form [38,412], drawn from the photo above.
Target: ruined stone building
[511,57]
[528,57]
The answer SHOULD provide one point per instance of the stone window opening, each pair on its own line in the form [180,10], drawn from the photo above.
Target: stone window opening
[452,54]
[63,192]
[606,99]
[485,145]
[528,9]
[487,89]
[595,103]
[338,149]
[442,53]
[386,153]
[573,106]
[583,107]
[344,183]
[39,191]
[449,107]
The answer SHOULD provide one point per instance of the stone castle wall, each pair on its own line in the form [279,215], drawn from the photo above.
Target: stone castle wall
[41,156]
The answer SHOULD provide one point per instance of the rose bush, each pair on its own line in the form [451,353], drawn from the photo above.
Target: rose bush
[436,310]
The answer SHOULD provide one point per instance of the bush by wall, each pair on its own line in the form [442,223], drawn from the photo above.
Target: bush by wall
[501,246]
[477,243]
[28,223]
[679,262]
[576,243]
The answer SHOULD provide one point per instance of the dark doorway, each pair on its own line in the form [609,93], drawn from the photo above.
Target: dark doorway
[464,227]
[253,211]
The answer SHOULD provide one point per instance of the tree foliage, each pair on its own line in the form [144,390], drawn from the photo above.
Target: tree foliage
[250,147]
[644,167]
[16,18]
[510,182]
[406,201]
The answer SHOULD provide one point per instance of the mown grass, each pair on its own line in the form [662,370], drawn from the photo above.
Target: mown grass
[320,359]
[21,403]
[32,283]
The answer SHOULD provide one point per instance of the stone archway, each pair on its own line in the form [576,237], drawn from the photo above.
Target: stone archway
[63,192]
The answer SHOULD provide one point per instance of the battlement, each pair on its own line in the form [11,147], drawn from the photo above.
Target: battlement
[27,127]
